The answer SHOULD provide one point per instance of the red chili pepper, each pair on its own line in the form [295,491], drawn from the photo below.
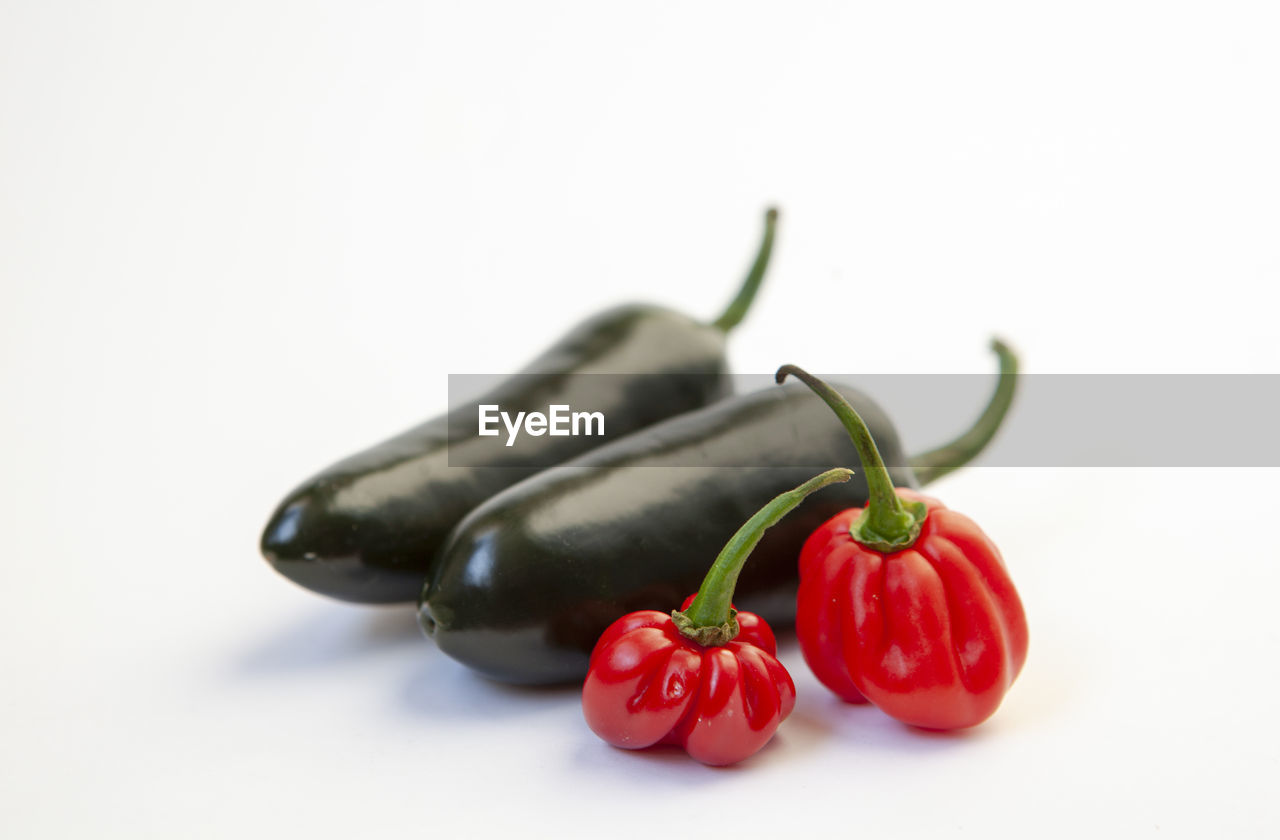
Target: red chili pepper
[704,677]
[905,603]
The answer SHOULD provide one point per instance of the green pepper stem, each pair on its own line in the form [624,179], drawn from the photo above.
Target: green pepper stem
[934,464]
[711,608]
[887,523]
[737,309]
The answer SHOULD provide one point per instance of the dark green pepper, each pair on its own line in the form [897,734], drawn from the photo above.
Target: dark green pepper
[367,528]
[532,577]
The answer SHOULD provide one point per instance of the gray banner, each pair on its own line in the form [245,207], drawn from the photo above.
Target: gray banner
[1057,420]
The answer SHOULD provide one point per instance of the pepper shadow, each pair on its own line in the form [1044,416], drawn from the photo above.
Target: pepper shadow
[438,687]
[664,765]
[330,635]
[864,727]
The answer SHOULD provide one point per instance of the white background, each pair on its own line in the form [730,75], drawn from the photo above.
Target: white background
[241,239]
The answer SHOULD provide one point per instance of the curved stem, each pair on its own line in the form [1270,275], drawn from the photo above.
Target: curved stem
[887,523]
[934,464]
[711,608]
[737,309]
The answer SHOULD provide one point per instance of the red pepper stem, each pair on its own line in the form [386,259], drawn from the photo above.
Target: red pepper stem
[887,523]
[737,309]
[711,608]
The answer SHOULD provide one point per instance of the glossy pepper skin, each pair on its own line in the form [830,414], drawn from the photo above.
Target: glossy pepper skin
[648,684]
[907,604]
[531,578]
[934,634]
[368,528]
[706,676]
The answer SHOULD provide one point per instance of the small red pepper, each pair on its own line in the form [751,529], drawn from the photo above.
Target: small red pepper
[705,677]
[905,603]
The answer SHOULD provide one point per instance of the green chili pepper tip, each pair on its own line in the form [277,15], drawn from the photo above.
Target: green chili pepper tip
[737,309]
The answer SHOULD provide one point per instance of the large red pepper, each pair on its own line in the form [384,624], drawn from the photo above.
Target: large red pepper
[906,603]
[704,677]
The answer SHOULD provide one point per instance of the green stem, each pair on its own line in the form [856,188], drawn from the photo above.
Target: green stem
[710,617]
[887,523]
[934,464]
[737,309]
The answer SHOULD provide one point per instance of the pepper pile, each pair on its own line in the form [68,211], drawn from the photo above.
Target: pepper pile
[541,574]
[902,603]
